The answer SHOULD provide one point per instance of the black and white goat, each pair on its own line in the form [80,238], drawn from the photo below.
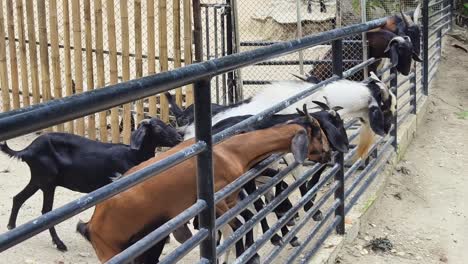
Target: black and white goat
[83,165]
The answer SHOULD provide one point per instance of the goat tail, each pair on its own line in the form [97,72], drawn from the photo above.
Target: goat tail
[11,153]
[82,229]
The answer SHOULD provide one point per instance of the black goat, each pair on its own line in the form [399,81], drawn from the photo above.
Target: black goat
[185,117]
[83,165]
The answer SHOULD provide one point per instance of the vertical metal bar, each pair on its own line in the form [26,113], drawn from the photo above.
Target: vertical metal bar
[364,37]
[394,85]
[223,51]
[337,51]
[216,48]
[451,13]
[205,181]
[425,29]
[235,29]
[229,50]
[299,34]
[413,92]
[207,32]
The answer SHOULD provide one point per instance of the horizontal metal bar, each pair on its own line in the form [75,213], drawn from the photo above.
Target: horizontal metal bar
[439,19]
[358,67]
[58,111]
[439,28]
[436,41]
[438,12]
[436,3]
[404,103]
[350,123]
[407,78]
[367,182]
[389,78]
[436,51]
[217,5]
[305,219]
[384,70]
[260,241]
[419,97]
[366,170]
[405,115]
[434,65]
[159,234]
[246,177]
[185,248]
[50,219]
[402,93]
[268,43]
[255,82]
[321,240]
[297,251]
[306,62]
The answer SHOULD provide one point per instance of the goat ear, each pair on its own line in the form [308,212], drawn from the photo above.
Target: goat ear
[416,57]
[137,137]
[336,135]
[300,146]
[394,55]
[376,118]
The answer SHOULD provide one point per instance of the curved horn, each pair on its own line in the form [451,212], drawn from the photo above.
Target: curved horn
[398,39]
[403,16]
[417,14]
[322,105]
[300,77]
[337,108]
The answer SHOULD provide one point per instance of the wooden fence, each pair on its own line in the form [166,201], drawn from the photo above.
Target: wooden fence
[55,48]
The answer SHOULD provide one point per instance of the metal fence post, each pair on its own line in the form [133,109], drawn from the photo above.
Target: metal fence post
[425,29]
[205,181]
[413,94]
[337,49]
[394,87]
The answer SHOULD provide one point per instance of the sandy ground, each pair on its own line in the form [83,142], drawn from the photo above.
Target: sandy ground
[423,211]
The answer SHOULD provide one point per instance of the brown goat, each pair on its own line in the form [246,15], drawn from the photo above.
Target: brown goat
[123,219]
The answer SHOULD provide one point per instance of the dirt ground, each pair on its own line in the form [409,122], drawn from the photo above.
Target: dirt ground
[423,211]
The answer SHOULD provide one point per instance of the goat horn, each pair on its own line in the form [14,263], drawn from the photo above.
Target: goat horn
[300,77]
[337,108]
[300,112]
[322,105]
[416,14]
[374,77]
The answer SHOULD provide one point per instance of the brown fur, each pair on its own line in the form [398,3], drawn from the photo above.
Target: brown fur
[164,196]
[366,139]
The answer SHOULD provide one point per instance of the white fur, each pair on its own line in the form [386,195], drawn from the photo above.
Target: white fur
[352,96]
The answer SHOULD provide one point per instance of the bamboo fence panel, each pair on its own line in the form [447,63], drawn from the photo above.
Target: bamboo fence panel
[78,58]
[54,42]
[125,67]
[13,58]
[44,53]
[3,63]
[32,51]
[163,57]
[151,51]
[67,50]
[177,44]
[113,67]
[138,53]
[23,55]
[89,64]
[101,77]
[188,48]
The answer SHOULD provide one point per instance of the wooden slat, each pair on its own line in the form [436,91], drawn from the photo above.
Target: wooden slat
[188,47]
[151,51]
[78,58]
[54,42]
[3,63]
[101,77]
[177,44]
[23,55]
[125,66]
[44,52]
[67,51]
[89,64]
[138,53]
[13,59]
[32,51]
[163,57]
[113,66]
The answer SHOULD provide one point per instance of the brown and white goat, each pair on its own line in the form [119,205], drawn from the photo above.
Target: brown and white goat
[123,219]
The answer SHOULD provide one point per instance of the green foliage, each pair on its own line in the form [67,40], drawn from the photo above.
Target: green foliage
[465,9]
[462,115]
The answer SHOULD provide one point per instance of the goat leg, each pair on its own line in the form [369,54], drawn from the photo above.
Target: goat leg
[47,205]
[249,239]
[18,201]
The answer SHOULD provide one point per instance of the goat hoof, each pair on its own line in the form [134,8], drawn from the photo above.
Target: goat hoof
[276,240]
[254,260]
[61,246]
[318,216]
[295,242]
[10,227]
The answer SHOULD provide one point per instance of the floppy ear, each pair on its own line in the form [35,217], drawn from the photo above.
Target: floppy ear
[376,119]
[137,137]
[336,136]
[394,54]
[300,146]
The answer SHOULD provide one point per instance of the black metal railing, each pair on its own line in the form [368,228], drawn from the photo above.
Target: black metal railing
[350,178]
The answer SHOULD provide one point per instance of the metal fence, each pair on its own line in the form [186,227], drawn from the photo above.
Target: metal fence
[338,190]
